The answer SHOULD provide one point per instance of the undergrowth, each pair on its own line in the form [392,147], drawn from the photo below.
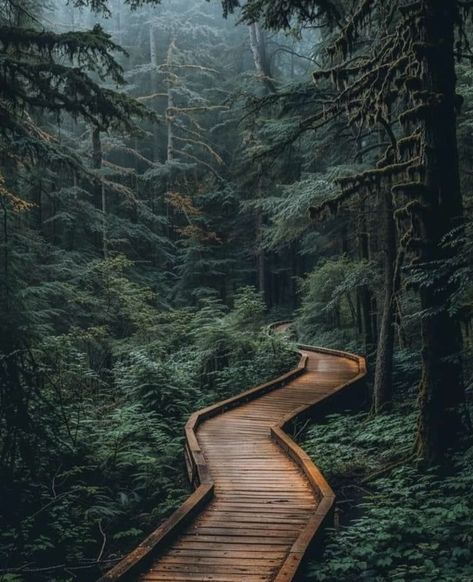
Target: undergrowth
[397,522]
[110,404]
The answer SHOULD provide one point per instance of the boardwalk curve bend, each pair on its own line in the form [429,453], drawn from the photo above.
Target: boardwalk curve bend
[259,500]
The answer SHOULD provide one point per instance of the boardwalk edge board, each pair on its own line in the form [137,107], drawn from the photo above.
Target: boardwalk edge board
[313,474]
[199,474]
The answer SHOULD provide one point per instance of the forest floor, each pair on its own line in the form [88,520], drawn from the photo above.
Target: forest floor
[395,522]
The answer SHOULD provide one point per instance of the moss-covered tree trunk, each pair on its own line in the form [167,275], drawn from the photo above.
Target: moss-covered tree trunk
[441,390]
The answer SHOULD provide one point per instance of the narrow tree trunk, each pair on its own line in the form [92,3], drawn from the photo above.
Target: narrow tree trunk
[344,243]
[170,144]
[382,391]
[100,195]
[5,255]
[117,11]
[170,116]
[364,292]
[260,258]
[104,224]
[170,113]
[359,317]
[294,274]
[260,58]
[153,51]
[258,50]
[71,235]
[441,396]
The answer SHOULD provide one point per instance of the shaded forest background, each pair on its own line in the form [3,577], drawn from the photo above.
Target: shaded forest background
[171,182]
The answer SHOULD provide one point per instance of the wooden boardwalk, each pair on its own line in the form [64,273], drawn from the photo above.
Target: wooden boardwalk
[260,518]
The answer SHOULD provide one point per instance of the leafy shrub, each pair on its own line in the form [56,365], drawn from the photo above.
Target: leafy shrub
[409,525]
[328,306]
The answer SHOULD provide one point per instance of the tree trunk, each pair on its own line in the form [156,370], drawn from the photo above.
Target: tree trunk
[170,113]
[153,53]
[441,395]
[260,58]
[170,145]
[364,292]
[117,11]
[260,258]
[344,242]
[294,274]
[258,50]
[99,194]
[382,391]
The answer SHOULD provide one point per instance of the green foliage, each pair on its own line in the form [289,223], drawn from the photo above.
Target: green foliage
[327,315]
[104,5]
[408,525]
[54,73]
[288,212]
[141,192]
[278,14]
[356,444]
[114,393]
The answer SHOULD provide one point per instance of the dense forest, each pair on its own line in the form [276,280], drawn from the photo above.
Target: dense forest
[175,175]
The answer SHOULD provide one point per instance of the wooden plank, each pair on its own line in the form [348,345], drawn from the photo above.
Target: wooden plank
[269,498]
[218,561]
[188,509]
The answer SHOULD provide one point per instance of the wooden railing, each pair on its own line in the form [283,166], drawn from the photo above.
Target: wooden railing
[200,478]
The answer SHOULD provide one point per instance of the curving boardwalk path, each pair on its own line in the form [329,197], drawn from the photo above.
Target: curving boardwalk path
[262,501]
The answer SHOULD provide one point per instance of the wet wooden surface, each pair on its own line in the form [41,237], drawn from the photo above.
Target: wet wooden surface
[262,500]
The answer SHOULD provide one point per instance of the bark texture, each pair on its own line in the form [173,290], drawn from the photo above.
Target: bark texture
[441,393]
